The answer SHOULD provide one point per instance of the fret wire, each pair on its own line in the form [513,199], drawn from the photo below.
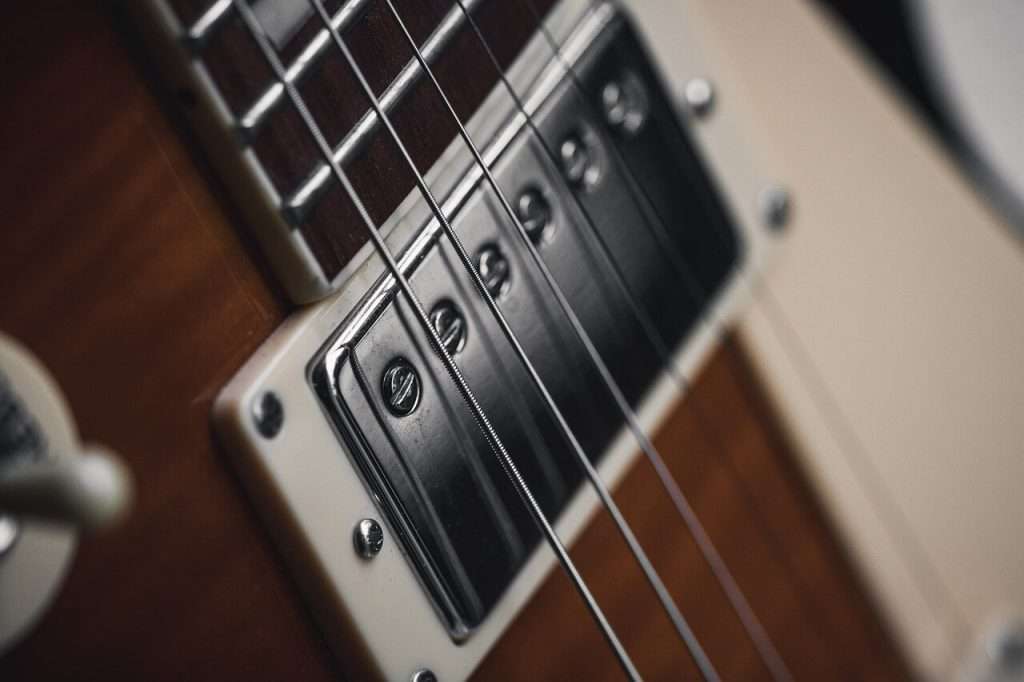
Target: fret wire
[752,624]
[208,21]
[679,622]
[297,207]
[259,112]
[455,374]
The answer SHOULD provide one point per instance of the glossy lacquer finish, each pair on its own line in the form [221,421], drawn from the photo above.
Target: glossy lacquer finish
[122,267]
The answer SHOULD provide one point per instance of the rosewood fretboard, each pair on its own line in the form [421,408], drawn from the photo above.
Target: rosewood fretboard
[331,226]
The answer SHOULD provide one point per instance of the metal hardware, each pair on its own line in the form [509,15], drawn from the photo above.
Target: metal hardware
[1005,648]
[625,104]
[299,204]
[368,538]
[400,387]
[700,96]
[254,117]
[774,207]
[450,326]
[9,531]
[534,212]
[201,30]
[423,675]
[579,164]
[268,414]
[495,270]
[407,462]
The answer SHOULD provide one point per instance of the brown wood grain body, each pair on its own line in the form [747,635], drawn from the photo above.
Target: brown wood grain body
[121,269]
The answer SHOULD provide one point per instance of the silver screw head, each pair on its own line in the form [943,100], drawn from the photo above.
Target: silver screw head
[423,675]
[579,164]
[494,270]
[700,96]
[9,531]
[447,320]
[268,414]
[774,205]
[626,105]
[534,212]
[401,387]
[1006,648]
[368,538]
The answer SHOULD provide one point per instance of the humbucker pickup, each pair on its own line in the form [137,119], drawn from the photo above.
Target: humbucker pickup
[348,426]
[618,205]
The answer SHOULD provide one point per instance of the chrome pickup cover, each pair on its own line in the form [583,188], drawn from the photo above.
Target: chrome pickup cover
[633,230]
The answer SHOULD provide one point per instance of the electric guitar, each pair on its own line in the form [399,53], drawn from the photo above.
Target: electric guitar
[507,340]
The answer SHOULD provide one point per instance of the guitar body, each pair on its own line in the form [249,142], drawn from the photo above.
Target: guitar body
[128,272]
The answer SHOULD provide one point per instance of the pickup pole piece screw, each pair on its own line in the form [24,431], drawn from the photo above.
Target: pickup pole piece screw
[368,538]
[578,163]
[401,387]
[268,414]
[534,212]
[494,270]
[447,320]
[774,206]
[700,96]
[626,105]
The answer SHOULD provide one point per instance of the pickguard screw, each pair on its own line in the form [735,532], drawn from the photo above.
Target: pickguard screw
[423,675]
[534,212]
[268,414]
[494,270]
[401,387]
[774,205]
[578,163]
[1006,649]
[625,104]
[700,96]
[368,538]
[447,321]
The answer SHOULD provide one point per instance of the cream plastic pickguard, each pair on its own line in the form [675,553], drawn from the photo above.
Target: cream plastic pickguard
[889,331]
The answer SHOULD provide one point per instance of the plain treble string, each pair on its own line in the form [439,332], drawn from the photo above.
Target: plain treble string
[751,623]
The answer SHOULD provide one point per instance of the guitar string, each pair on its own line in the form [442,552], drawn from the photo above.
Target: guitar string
[258,34]
[711,555]
[592,475]
[752,624]
[748,618]
[679,622]
[754,629]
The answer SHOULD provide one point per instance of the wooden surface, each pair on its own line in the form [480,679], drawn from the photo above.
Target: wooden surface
[334,230]
[723,447]
[119,267]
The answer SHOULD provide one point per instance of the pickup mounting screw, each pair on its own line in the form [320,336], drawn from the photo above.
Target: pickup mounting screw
[578,163]
[447,320]
[268,414]
[494,270]
[1006,648]
[700,96]
[774,205]
[8,534]
[368,538]
[401,387]
[534,212]
[625,104]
